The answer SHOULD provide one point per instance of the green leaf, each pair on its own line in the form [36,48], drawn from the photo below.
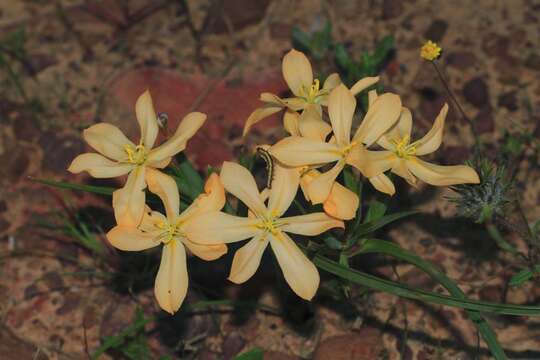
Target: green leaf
[332,242]
[524,275]
[382,51]
[342,59]
[301,40]
[371,226]
[253,354]
[406,291]
[376,211]
[187,178]
[111,342]
[102,190]
[388,248]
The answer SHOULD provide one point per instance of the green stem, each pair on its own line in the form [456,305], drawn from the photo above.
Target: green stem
[499,239]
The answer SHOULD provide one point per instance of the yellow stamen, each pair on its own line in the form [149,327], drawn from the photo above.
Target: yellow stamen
[314,93]
[347,149]
[170,232]
[402,147]
[269,223]
[135,155]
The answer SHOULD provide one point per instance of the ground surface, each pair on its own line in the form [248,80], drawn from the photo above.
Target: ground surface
[88,61]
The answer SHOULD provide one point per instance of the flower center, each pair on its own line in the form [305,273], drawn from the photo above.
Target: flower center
[135,155]
[169,231]
[347,149]
[269,224]
[313,93]
[403,148]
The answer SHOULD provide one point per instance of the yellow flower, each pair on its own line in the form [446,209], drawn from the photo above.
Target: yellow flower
[119,156]
[266,225]
[402,157]
[341,203]
[171,230]
[430,51]
[298,151]
[298,74]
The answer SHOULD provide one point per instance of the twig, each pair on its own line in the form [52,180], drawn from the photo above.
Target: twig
[456,103]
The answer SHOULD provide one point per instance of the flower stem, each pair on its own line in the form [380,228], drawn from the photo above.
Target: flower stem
[458,106]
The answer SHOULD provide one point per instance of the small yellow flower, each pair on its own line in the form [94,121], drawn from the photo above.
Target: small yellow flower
[430,51]
[171,283]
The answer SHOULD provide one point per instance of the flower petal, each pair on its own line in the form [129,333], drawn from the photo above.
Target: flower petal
[401,129]
[342,203]
[220,228]
[258,115]
[372,96]
[98,166]
[238,181]
[331,81]
[248,258]
[311,125]
[382,114]
[299,151]
[165,187]
[128,202]
[371,163]
[320,187]
[310,224]
[383,184]
[432,140]
[146,116]
[206,252]
[284,187]
[172,280]
[131,238]
[299,272]
[297,71]
[442,175]
[341,106]
[400,169]
[185,131]
[363,84]
[108,140]
[290,122]
[213,199]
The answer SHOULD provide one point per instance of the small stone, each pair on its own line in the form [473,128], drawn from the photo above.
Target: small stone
[232,345]
[367,344]
[461,60]
[484,121]
[476,92]
[436,30]
[508,100]
[392,9]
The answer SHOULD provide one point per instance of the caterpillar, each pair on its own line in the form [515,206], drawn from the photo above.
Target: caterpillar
[265,155]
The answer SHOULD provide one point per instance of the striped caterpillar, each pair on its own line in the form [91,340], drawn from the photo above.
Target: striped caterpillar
[265,155]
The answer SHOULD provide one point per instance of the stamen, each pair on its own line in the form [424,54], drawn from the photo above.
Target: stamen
[313,93]
[135,155]
[402,147]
